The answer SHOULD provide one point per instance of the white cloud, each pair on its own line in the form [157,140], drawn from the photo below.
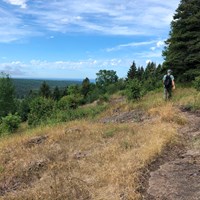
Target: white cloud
[12,27]
[36,68]
[21,3]
[160,43]
[148,61]
[132,44]
[153,48]
[114,17]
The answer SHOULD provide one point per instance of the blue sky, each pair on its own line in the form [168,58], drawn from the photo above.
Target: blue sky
[76,38]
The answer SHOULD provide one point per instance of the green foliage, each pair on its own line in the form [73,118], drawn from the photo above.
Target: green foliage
[70,102]
[93,94]
[189,75]
[150,84]
[56,94]
[23,86]
[79,113]
[103,98]
[150,71]
[133,89]
[197,83]
[10,123]
[7,90]
[85,87]
[106,77]
[74,89]
[45,90]
[24,109]
[132,72]
[40,110]
[182,47]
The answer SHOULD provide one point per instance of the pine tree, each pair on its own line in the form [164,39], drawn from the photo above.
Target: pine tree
[182,51]
[85,86]
[45,90]
[56,93]
[140,73]
[150,70]
[132,73]
[159,74]
[7,91]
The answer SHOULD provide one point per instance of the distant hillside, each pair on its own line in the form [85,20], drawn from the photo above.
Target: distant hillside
[23,86]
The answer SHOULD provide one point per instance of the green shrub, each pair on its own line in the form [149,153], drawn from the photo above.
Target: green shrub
[69,102]
[189,76]
[10,123]
[103,98]
[24,109]
[197,83]
[133,89]
[79,113]
[40,110]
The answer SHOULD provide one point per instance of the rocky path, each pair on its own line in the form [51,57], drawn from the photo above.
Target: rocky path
[176,176]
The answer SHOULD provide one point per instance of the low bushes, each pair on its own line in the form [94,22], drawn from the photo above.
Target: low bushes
[9,124]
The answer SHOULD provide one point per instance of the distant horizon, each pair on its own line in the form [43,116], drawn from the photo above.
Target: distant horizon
[56,79]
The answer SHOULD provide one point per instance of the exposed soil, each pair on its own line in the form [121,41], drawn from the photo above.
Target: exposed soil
[24,179]
[124,117]
[176,174]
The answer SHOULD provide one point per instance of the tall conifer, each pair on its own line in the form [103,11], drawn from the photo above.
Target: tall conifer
[182,51]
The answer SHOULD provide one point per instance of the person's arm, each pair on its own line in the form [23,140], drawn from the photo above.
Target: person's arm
[173,83]
[164,79]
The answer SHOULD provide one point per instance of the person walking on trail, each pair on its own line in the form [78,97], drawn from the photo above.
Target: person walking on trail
[169,84]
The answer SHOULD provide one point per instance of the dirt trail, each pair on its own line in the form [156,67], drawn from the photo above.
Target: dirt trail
[176,176]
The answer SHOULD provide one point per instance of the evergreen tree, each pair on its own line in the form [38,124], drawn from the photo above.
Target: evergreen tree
[150,70]
[132,73]
[159,74]
[74,90]
[182,49]
[45,90]
[7,91]
[56,93]
[85,86]
[142,72]
[65,91]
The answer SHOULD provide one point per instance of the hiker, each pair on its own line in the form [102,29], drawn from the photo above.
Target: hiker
[168,81]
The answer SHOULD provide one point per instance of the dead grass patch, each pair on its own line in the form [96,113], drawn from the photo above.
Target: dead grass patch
[82,160]
[87,159]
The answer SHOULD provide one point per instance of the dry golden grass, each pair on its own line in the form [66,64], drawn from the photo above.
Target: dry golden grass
[85,159]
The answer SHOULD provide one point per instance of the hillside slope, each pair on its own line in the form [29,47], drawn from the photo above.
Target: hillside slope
[98,159]
[176,174]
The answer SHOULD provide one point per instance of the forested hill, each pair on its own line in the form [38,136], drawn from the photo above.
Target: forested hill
[24,86]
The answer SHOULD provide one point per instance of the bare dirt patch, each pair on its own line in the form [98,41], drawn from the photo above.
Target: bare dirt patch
[176,174]
[124,117]
[24,178]
[35,141]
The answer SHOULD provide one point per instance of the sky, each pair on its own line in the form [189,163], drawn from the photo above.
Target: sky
[74,39]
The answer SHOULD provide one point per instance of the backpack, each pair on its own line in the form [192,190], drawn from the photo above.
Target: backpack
[168,82]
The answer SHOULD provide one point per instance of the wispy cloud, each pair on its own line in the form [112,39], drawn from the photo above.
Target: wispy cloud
[133,44]
[112,17]
[12,27]
[36,68]
[21,3]
[158,45]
